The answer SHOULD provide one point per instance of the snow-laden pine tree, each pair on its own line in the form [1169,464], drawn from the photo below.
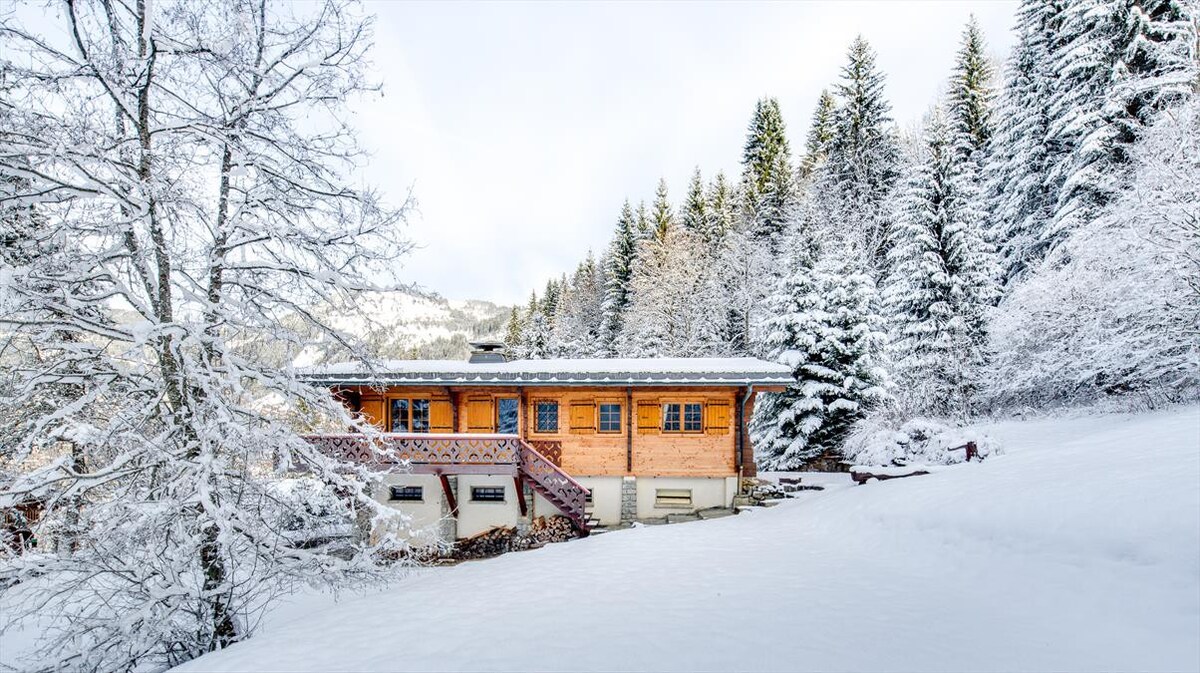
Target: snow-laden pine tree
[1016,193]
[820,133]
[535,330]
[676,304]
[942,276]
[189,168]
[512,334]
[662,215]
[1117,63]
[576,332]
[855,183]
[1118,312]
[618,267]
[693,214]
[722,211]
[768,187]
[824,322]
[969,97]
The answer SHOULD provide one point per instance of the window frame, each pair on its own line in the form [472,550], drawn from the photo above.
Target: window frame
[489,500]
[496,408]
[410,408]
[392,492]
[682,418]
[600,404]
[537,416]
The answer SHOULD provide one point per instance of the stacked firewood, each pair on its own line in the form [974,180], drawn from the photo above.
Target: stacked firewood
[503,539]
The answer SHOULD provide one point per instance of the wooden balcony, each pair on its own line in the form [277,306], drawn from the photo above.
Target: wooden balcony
[426,453]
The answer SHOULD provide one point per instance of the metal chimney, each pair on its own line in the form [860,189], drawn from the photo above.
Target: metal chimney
[487,351]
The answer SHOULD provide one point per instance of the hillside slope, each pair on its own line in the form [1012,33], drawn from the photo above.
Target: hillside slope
[1077,550]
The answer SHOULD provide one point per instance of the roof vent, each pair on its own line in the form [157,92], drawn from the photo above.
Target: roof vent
[487,351]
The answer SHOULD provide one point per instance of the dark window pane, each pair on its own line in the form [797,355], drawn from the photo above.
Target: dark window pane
[399,415]
[487,493]
[671,417]
[408,493]
[610,418]
[506,416]
[547,416]
[692,416]
[420,415]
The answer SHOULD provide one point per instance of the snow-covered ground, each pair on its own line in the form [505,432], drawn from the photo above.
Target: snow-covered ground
[1079,549]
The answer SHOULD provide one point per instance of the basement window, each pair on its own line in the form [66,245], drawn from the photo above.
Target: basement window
[487,494]
[672,497]
[408,494]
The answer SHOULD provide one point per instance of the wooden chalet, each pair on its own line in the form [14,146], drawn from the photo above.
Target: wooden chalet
[488,442]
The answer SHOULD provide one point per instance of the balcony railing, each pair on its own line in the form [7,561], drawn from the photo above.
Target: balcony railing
[426,453]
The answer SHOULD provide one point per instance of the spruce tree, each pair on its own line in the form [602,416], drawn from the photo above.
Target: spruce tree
[662,217]
[820,133]
[535,331]
[512,334]
[860,170]
[617,271]
[824,324]
[722,211]
[768,187]
[694,214]
[970,90]
[943,276]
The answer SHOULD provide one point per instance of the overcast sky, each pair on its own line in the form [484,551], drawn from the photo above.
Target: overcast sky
[522,127]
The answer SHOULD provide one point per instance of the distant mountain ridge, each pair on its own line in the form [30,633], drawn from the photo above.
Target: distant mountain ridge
[406,325]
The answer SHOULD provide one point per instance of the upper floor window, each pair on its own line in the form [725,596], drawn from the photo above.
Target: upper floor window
[683,417]
[546,413]
[409,415]
[610,418]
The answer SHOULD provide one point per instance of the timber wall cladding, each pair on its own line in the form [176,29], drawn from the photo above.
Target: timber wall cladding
[585,450]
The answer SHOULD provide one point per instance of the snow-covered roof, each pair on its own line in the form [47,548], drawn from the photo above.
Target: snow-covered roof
[557,372]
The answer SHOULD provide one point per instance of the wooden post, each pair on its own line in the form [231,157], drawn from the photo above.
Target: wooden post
[520,494]
[450,499]
[749,469]
[628,429]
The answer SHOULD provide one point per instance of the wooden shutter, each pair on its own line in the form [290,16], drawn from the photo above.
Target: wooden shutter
[441,416]
[649,418]
[372,410]
[583,417]
[716,418]
[479,416]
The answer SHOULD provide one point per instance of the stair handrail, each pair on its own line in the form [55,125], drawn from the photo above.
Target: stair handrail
[575,502]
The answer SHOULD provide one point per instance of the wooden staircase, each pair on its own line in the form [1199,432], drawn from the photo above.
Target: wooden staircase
[549,480]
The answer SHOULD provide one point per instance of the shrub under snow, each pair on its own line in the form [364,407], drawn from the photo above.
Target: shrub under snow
[919,441]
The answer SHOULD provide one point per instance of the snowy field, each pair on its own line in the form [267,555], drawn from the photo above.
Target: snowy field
[1077,550]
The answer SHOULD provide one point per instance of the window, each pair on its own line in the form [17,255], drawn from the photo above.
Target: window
[408,493]
[506,415]
[487,494]
[683,417]
[672,497]
[610,418]
[547,416]
[409,415]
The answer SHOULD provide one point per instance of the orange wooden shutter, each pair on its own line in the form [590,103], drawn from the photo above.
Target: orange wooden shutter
[583,417]
[649,415]
[479,416]
[372,411]
[441,416]
[716,418]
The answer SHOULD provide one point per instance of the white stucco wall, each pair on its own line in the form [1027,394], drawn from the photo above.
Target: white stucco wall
[606,500]
[476,517]
[425,516]
[706,492]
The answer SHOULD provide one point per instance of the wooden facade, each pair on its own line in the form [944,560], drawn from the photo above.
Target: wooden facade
[644,443]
